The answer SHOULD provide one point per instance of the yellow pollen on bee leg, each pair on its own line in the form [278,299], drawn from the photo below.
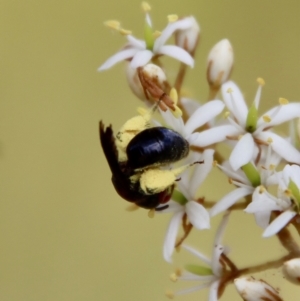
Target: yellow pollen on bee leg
[113,24]
[151,213]
[229,90]
[267,118]
[260,81]
[132,208]
[146,7]
[173,277]
[269,140]
[170,294]
[283,101]
[172,18]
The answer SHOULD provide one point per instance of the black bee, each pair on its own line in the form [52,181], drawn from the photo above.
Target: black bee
[151,147]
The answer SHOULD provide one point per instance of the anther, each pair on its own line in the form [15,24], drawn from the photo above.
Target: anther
[113,24]
[283,101]
[151,213]
[229,90]
[172,18]
[146,7]
[173,277]
[267,118]
[170,294]
[269,140]
[260,81]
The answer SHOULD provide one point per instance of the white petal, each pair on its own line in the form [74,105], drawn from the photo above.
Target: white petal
[118,57]
[197,215]
[177,53]
[242,152]
[292,172]
[229,199]
[278,223]
[262,219]
[169,30]
[204,114]
[285,113]
[201,171]
[221,229]
[238,175]
[281,146]
[170,238]
[198,254]
[190,105]
[176,124]
[213,291]
[213,135]
[216,265]
[136,43]
[141,58]
[235,102]
[173,207]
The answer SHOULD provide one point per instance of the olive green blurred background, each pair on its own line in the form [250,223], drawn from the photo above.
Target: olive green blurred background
[64,232]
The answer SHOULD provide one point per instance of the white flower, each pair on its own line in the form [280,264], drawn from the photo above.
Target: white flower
[140,52]
[287,200]
[195,212]
[251,289]
[250,130]
[260,177]
[209,275]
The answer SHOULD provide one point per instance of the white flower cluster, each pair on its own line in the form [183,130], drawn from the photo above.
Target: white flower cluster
[260,158]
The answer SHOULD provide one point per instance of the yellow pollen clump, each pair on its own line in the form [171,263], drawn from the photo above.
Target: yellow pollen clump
[156,34]
[174,95]
[125,32]
[113,24]
[151,213]
[226,114]
[172,18]
[132,208]
[173,277]
[229,90]
[260,81]
[267,118]
[283,101]
[145,6]
[269,140]
[170,294]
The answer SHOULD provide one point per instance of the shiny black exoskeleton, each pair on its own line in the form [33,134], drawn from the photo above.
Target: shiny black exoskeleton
[157,145]
[121,173]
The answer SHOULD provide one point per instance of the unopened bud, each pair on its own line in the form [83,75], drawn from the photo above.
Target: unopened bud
[151,72]
[219,64]
[291,270]
[251,289]
[188,38]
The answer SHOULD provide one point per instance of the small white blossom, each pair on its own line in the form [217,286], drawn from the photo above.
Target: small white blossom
[287,200]
[195,212]
[251,289]
[251,130]
[140,52]
[209,275]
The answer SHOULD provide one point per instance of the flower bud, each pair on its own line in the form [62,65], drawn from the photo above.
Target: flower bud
[219,64]
[188,38]
[251,289]
[152,72]
[291,270]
